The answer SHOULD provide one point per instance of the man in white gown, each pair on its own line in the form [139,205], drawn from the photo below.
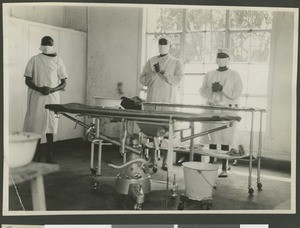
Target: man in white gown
[45,75]
[221,87]
[162,75]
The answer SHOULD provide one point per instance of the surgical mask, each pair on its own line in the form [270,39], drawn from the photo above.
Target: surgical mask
[47,49]
[222,62]
[164,49]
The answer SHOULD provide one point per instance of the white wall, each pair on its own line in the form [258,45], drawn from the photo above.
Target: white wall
[113,54]
[23,41]
[113,46]
[46,14]
[57,15]
[278,139]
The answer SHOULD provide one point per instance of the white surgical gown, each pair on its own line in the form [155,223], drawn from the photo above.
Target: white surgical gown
[163,88]
[43,71]
[229,96]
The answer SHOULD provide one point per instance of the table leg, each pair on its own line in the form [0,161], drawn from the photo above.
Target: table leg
[192,126]
[251,155]
[38,194]
[259,185]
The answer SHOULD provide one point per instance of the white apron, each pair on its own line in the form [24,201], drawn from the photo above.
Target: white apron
[44,71]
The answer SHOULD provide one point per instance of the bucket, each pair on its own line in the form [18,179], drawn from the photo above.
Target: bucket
[22,146]
[200,179]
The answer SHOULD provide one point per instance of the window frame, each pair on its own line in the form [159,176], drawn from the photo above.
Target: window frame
[227,35]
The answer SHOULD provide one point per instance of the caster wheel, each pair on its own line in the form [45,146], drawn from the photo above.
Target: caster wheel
[154,168]
[96,185]
[259,186]
[137,207]
[229,168]
[181,206]
[251,191]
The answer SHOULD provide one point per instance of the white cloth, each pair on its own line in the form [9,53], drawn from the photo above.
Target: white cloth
[43,71]
[164,49]
[162,88]
[47,49]
[224,50]
[232,90]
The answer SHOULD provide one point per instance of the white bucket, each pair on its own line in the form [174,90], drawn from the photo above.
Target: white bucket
[200,179]
[22,146]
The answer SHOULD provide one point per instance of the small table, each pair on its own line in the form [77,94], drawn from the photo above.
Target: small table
[34,173]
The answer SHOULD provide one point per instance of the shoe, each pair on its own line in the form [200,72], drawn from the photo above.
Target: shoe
[165,167]
[223,174]
[235,162]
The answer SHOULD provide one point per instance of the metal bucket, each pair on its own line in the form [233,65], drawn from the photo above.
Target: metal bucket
[200,179]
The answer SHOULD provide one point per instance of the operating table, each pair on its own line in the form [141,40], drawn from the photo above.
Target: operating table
[155,118]
[215,153]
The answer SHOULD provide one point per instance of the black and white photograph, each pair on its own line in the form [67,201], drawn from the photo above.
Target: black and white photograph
[149,109]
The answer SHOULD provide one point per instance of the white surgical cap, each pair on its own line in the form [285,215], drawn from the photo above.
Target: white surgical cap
[223,50]
[166,38]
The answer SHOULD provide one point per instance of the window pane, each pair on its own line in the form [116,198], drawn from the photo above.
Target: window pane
[252,102]
[239,19]
[175,46]
[218,19]
[192,99]
[192,84]
[243,70]
[240,45]
[161,20]
[262,19]
[152,45]
[258,79]
[210,67]
[260,47]
[196,20]
[213,41]
[194,47]
[205,20]
[193,68]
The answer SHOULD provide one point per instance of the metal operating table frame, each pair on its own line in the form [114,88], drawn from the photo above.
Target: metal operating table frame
[218,155]
[141,116]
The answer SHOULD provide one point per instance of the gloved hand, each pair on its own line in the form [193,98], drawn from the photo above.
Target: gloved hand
[216,87]
[156,67]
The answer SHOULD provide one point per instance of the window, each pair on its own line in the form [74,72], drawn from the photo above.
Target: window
[197,34]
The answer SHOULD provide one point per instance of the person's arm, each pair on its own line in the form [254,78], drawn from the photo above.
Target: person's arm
[237,88]
[147,76]
[176,78]
[43,90]
[61,86]
[205,90]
